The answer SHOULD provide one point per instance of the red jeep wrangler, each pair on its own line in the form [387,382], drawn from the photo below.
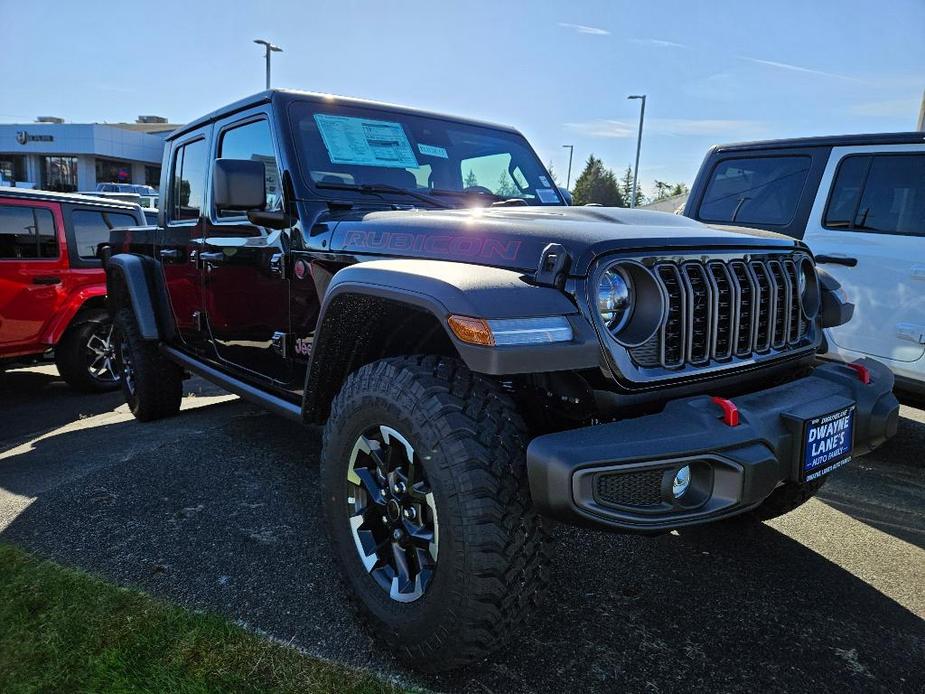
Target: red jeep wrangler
[52,285]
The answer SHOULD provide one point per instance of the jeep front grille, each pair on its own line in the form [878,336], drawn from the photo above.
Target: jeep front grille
[719,310]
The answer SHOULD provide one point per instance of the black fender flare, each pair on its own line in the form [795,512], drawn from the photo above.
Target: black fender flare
[146,292]
[444,288]
[833,310]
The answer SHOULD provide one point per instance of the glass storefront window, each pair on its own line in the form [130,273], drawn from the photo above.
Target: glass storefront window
[153,176]
[109,171]
[60,174]
[12,168]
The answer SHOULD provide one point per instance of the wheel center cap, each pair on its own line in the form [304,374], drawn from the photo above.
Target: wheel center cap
[393,509]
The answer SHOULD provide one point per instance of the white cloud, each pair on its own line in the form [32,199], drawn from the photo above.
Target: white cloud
[798,68]
[887,109]
[619,129]
[660,43]
[584,29]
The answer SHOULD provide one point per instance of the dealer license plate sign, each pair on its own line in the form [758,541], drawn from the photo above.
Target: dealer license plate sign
[827,442]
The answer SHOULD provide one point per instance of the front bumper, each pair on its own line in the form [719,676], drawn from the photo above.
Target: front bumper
[619,475]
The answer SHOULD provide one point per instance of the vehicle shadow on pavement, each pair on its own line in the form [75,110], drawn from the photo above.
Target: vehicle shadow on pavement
[218,509]
[886,489]
[25,395]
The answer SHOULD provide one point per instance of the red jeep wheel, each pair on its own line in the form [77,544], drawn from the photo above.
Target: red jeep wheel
[85,356]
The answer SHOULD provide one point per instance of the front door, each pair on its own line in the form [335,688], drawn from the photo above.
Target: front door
[245,287]
[180,241]
[875,214]
[31,273]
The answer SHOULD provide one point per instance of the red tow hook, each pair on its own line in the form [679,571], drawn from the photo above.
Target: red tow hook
[862,371]
[730,411]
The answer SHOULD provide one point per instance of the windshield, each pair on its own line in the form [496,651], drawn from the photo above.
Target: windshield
[345,146]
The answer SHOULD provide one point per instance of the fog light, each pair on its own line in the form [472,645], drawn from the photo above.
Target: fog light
[682,480]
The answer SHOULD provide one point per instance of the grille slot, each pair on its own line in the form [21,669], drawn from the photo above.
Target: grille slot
[674,328]
[629,488]
[717,310]
[699,314]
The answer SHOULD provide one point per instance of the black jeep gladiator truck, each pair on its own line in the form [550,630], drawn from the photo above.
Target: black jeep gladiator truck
[485,358]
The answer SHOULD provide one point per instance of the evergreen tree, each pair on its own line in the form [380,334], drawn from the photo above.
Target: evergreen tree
[552,174]
[626,188]
[598,185]
[668,190]
[506,187]
[471,179]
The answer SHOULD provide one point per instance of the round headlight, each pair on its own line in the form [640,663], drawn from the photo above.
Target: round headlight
[613,299]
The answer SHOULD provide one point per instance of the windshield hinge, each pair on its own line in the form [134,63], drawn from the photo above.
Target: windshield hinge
[554,265]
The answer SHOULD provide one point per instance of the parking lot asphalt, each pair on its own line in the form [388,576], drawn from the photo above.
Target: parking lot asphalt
[218,509]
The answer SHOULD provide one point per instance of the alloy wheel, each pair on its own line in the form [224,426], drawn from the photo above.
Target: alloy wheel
[100,354]
[392,514]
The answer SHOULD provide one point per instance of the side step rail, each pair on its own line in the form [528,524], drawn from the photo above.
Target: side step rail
[270,402]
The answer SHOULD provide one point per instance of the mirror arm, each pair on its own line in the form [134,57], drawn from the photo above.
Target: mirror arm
[273,220]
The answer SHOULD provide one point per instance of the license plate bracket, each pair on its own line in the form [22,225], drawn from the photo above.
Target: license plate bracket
[827,442]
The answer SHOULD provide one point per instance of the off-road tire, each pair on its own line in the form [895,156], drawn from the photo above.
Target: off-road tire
[491,570]
[786,498]
[154,387]
[71,353]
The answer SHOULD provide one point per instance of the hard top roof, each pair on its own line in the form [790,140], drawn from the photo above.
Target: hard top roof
[289,95]
[74,198]
[828,141]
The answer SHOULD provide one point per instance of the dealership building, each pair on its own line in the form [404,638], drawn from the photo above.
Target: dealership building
[53,155]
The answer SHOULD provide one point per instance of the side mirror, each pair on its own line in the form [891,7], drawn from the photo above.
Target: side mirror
[566,195]
[239,184]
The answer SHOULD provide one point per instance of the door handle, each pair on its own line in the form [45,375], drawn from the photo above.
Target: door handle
[836,260]
[213,258]
[278,265]
[46,279]
[169,253]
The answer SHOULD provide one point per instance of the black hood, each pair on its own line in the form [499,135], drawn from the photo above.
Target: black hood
[514,238]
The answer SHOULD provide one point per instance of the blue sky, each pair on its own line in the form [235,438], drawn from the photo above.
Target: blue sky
[713,71]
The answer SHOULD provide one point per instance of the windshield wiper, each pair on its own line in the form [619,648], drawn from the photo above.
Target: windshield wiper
[377,188]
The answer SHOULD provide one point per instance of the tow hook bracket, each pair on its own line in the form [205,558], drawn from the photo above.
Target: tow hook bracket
[730,411]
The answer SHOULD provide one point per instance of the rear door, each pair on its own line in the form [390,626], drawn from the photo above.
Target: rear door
[871,208]
[32,268]
[245,287]
[180,240]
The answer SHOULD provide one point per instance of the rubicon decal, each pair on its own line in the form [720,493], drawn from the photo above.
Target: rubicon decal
[484,247]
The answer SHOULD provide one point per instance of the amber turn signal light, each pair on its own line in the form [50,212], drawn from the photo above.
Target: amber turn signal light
[474,331]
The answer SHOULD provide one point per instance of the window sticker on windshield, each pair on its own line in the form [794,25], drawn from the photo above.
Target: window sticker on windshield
[432,151]
[547,195]
[544,181]
[365,142]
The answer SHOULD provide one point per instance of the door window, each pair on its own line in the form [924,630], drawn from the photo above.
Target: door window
[253,141]
[882,194]
[188,181]
[27,233]
[92,228]
[763,190]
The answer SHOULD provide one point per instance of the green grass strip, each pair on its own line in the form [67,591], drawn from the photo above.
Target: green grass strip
[63,630]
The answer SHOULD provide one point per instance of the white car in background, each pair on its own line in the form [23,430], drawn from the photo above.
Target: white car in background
[858,201]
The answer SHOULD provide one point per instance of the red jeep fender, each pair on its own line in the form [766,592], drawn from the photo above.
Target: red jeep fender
[55,328]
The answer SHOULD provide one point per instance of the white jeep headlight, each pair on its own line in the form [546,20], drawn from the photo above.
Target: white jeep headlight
[614,298]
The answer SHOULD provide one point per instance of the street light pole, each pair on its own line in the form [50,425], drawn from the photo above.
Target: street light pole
[642,115]
[568,178]
[270,49]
